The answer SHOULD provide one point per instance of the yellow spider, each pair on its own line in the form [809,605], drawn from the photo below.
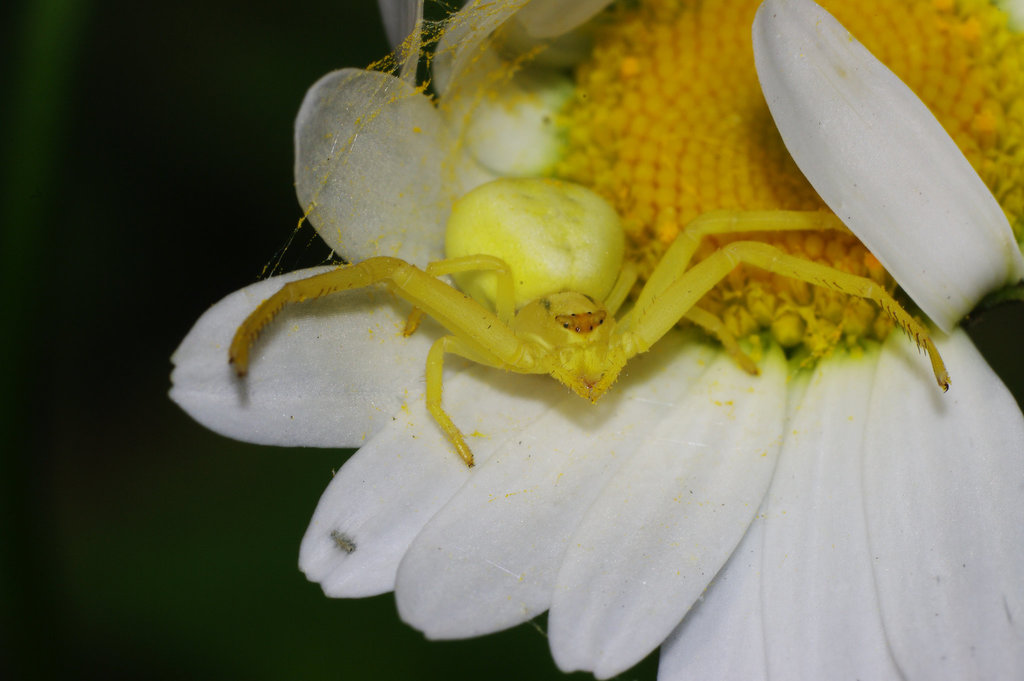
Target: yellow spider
[563,332]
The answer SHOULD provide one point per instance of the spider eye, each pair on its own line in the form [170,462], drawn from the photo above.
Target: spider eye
[581,322]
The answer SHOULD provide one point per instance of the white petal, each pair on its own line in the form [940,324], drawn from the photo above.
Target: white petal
[667,522]
[944,499]
[551,18]
[821,612]
[384,495]
[488,560]
[325,373]
[370,154]
[882,162]
[722,636]
[403,24]
[400,17]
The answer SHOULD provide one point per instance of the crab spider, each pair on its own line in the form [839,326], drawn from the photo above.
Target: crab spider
[572,336]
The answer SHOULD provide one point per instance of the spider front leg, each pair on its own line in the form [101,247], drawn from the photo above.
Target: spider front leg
[435,373]
[477,333]
[650,323]
[480,329]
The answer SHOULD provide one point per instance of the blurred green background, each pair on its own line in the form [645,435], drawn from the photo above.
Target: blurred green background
[146,159]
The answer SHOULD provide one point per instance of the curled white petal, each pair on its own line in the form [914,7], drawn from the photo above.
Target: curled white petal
[489,559]
[403,20]
[310,382]
[551,18]
[400,18]
[370,156]
[944,500]
[535,23]
[665,524]
[463,40]
[882,162]
[562,52]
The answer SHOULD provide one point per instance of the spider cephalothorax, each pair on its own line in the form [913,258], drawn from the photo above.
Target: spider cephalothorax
[577,336]
[572,335]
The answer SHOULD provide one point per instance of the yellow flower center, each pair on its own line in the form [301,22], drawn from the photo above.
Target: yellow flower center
[669,122]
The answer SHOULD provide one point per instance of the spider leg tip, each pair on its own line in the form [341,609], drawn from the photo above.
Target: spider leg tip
[241,368]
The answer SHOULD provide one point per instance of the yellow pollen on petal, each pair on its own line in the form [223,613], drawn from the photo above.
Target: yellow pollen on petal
[670,123]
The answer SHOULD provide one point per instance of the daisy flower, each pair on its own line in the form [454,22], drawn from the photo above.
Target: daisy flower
[834,516]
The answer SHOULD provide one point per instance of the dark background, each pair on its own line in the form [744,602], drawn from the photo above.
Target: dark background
[146,158]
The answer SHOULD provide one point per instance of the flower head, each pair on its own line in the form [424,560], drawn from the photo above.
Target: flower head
[833,515]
